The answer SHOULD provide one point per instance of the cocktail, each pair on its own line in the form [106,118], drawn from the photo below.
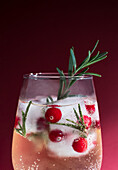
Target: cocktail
[57,122]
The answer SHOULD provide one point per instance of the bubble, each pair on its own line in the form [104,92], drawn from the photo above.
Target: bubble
[35,163]
[32,168]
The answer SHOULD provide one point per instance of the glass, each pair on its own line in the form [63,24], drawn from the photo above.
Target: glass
[53,134]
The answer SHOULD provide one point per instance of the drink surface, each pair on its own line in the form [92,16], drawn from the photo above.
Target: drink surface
[51,146]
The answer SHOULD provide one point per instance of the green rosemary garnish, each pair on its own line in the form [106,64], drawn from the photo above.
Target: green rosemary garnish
[74,72]
[79,125]
[22,128]
[49,100]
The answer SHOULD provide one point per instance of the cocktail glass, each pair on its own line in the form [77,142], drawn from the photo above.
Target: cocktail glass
[52,133]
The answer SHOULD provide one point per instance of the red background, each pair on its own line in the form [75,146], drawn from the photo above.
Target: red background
[36,37]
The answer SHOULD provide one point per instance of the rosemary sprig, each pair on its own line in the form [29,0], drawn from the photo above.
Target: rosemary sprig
[74,72]
[79,125]
[22,128]
[49,100]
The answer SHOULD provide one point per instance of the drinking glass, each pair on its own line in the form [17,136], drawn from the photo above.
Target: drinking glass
[57,124]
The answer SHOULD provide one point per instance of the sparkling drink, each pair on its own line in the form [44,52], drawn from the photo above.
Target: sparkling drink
[52,133]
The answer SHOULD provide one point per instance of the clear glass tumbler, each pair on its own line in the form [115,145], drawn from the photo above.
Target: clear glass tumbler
[57,126]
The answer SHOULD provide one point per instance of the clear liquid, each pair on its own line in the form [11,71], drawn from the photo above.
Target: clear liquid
[37,152]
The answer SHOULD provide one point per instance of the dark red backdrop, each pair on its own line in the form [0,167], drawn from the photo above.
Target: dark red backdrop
[36,37]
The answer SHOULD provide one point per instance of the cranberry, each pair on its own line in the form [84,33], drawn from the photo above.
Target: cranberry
[53,115]
[56,135]
[16,121]
[90,108]
[96,124]
[42,124]
[80,144]
[87,121]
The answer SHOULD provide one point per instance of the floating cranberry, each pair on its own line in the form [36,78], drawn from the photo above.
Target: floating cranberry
[90,108]
[56,135]
[80,144]
[87,121]
[96,124]
[42,124]
[16,121]
[53,115]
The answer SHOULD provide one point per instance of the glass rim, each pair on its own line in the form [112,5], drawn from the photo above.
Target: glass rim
[53,75]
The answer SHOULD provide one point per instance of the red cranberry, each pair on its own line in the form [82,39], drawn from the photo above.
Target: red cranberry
[16,121]
[56,135]
[96,124]
[80,144]
[42,124]
[90,108]
[53,115]
[87,121]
